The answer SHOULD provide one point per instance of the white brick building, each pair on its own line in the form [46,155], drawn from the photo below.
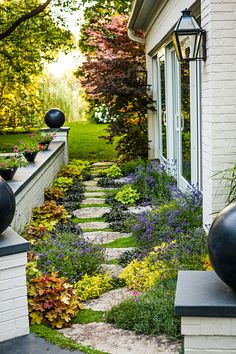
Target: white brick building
[195,119]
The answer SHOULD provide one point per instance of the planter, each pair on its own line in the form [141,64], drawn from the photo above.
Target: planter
[7,205]
[54,118]
[222,245]
[8,174]
[30,156]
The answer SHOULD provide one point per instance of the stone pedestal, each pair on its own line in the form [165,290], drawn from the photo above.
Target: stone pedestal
[207,307]
[61,135]
[14,320]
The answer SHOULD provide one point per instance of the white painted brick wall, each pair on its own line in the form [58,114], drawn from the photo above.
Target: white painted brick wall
[13,297]
[33,193]
[218,101]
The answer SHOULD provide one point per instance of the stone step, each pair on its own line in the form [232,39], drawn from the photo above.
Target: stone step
[139,209]
[104,236]
[94,225]
[93,212]
[113,253]
[98,189]
[109,299]
[90,183]
[94,194]
[93,201]
[103,164]
[106,338]
[112,269]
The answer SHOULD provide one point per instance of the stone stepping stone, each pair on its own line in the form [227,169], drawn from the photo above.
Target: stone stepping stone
[90,183]
[109,299]
[112,253]
[106,338]
[98,189]
[94,225]
[139,209]
[105,163]
[104,236]
[93,212]
[93,201]
[94,194]
[112,269]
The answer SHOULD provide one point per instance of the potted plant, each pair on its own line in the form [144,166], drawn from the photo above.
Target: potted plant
[29,147]
[9,165]
[45,139]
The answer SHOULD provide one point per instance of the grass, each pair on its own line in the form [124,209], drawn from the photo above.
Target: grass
[113,261]
[58,339]
[82,220]
[89,316]
[85,144]
[122,242]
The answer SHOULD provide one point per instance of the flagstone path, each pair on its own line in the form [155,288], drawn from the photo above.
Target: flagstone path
[103,336]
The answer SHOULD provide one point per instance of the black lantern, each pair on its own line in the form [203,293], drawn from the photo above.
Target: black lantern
[189,39]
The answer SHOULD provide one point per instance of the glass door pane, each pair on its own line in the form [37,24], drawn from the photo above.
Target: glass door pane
[163,121]
[185,122]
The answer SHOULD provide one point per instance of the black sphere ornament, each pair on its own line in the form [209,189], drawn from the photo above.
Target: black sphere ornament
[54,118]
[222,245]
[7,205]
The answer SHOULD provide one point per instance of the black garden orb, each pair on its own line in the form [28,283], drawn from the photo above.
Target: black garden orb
[54,118]
[7,205]
[222,245]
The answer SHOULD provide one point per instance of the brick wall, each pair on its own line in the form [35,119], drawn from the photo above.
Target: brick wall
[218,102]
[13,297]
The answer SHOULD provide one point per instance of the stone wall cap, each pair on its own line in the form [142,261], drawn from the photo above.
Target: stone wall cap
[11,242]
[203,294]
[54,130]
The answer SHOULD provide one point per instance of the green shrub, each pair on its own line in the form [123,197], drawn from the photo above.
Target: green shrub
[127,195]
[150,313]
[75,169]
[52,301]
[130,166]
[90,287]
[63,183]
[49,214]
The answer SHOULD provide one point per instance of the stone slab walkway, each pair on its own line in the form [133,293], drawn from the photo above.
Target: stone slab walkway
[113,253]
[93,201]
[91,212]
[104,337]
[109,299]
[94,225]
[104,236]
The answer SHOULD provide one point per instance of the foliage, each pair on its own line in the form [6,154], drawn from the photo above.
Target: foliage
[91,287]
[169,221]
[29,145]
[54,337]
[152,314]
[63,183]
[114,171]
[54,193]
[130,166]
[33,233]
[207,264]
[141,275]
[75,169]
[45,137]
[116,217]
[52,301]
[121,242]
[128,256]
[154,183]
[21,66]
[49,214]
[69,254]
[115,80]
[107,182]
[127,195]
[12,161]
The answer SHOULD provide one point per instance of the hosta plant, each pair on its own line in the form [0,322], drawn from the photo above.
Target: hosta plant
[114,171]
[54,193]
[63,183]
[52,301]
[90,287]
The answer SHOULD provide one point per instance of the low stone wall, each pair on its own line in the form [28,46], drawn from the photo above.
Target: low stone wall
[30,182]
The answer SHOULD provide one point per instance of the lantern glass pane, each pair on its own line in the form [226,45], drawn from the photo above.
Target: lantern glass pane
[190,46]
[188,23]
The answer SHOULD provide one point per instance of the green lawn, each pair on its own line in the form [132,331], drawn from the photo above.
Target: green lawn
[84,142]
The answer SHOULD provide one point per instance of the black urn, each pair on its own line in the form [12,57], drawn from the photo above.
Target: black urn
[54,118]
[7,205]
[222,245]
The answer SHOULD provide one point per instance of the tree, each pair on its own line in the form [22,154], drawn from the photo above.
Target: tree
[114,74]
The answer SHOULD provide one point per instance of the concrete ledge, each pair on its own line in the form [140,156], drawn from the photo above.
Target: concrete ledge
[12,243]
[204,294]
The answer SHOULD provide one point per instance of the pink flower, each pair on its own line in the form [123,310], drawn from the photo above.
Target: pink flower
[26,150]
[41,147]
[15,149]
